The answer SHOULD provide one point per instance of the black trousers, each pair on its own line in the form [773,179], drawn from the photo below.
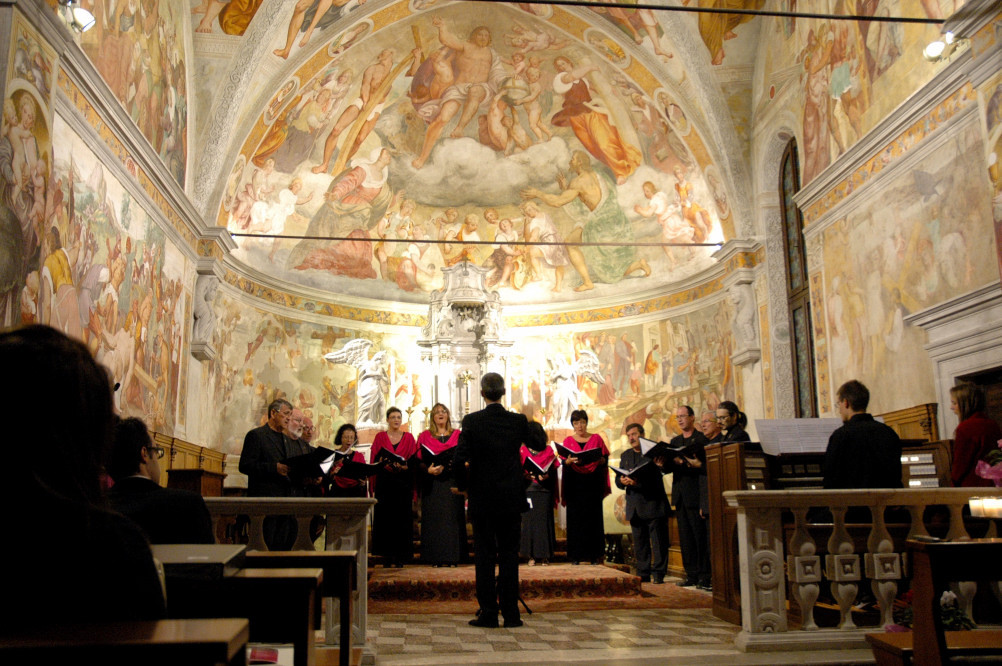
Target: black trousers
[694,541]
[495,541]
[650,545]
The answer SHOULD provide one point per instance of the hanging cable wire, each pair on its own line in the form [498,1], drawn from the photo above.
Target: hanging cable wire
[741,12]
[454,241]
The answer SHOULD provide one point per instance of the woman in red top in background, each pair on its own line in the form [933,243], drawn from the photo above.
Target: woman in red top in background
[342,486]
[583,489]
[393,486]
[443,515]
[538,530]
[976,435]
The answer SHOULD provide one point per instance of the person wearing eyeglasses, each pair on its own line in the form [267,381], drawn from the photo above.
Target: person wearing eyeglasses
[166,515]
[733,422]
[261,459]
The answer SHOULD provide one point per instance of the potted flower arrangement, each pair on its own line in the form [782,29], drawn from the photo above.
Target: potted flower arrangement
[991,466]
[953,618]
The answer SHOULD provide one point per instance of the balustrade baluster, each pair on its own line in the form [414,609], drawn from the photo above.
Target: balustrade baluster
[842,568]
[883,565]
[803,566]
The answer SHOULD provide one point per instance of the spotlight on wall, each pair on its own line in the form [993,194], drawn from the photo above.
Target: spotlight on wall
[76,16]
[941,48]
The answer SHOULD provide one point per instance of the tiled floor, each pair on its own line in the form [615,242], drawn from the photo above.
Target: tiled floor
[607,637]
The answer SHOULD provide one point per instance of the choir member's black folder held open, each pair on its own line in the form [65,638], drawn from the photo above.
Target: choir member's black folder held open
[584,457]
[628,472]
[310,465]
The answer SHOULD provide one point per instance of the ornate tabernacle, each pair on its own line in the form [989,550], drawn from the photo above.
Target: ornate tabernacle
[464,337]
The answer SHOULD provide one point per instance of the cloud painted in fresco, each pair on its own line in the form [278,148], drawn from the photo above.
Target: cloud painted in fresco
[464,171]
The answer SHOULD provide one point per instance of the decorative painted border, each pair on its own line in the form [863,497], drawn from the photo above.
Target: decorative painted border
[902,144]
[819,320]
[88,113]
[742,260]
[767,378]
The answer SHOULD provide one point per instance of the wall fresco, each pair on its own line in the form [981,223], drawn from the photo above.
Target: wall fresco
[108,275]
[842,77]
[138,48]
[25,165]
[480,127]
[263,355]
[914,243]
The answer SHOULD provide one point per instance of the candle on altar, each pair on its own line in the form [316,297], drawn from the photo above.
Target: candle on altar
[993,507]
[977,505]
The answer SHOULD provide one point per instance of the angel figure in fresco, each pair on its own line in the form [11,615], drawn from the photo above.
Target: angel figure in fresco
[674,229]
[524,40]
[563,376]
[694,214]
[373,381]
[590,123]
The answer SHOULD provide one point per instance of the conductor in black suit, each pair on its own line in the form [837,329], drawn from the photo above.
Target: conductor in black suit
[166,515]
[489,444]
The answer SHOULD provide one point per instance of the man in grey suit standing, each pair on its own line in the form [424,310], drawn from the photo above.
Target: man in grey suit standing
[488,468]
[646,509]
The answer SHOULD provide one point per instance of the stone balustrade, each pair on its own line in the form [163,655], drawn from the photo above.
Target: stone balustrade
[347,529]
[773,561]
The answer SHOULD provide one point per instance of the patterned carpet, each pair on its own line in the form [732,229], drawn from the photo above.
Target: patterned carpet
[559,587]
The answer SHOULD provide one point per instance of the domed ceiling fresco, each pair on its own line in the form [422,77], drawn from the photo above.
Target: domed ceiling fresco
[389,140]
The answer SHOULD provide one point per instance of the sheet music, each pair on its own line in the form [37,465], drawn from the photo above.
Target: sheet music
[779,436]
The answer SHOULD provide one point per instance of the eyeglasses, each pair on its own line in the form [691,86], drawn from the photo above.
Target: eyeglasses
[157,450]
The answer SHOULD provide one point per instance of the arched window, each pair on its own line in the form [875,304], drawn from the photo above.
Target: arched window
[798,291]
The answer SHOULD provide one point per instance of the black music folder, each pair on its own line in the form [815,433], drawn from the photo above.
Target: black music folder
[629,472]
[310,465]
[352,469]
[584,457]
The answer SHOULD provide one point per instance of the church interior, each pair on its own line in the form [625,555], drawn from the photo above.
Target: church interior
[619,207]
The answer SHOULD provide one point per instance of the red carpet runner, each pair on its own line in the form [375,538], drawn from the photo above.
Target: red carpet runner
[558,587]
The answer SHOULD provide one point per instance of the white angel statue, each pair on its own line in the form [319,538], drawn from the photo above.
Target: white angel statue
[373,381]
[564,378]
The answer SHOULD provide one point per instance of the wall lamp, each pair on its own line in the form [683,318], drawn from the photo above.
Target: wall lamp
[75,16]
[941,48]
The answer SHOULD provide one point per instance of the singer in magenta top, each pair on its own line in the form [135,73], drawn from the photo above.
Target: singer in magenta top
[583,489]
[342,486]
[539,465]
[393,486]
[443,511]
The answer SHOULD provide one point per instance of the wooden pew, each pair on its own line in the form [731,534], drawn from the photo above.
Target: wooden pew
[339,581]
[280,605]
[934,564]
[211,642]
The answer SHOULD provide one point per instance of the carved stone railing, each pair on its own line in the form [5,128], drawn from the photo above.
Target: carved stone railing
[769,565]
[347,529]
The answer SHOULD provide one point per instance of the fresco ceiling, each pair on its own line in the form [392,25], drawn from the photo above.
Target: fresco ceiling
[390,139]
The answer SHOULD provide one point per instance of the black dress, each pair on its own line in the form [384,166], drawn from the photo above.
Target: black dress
[582,495]
[443,515]
[538,530]
[393,516]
